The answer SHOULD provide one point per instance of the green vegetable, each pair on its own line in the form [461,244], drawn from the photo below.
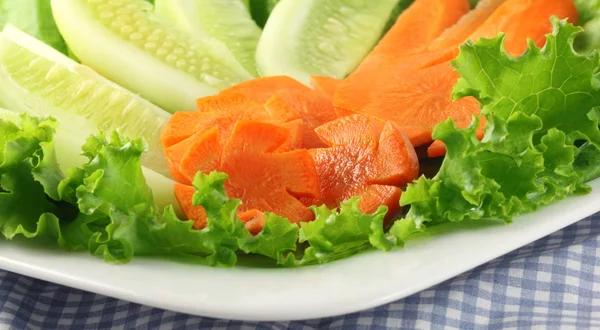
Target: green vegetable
[125,42]
[29,178]
[338,234]
[105,206]
[34,17]
[587,163]
[36,78]
[537,107]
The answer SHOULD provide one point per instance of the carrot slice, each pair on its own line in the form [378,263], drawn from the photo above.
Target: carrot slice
[313,107]
[325,85]
[525,19]
[254,221]
[399,51]
[461,31]
[365,158]
[417,96]
[175,154]
[184,194]
[420,24]
[203,154]
[262,178]
[184,124]
[267,181]
[261,89]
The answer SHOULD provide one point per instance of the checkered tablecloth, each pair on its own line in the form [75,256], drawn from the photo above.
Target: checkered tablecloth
[550,284]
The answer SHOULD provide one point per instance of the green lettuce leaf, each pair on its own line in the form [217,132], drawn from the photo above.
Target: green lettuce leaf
[29,176]
[537,107]
[337,234]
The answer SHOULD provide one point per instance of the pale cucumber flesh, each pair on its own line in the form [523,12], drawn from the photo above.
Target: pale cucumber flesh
[227,21]
[125,42]
[36,78]
[320,37]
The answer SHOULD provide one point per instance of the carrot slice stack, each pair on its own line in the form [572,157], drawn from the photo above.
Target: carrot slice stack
[366,158]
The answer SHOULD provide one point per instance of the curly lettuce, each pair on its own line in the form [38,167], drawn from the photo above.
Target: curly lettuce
[538,108]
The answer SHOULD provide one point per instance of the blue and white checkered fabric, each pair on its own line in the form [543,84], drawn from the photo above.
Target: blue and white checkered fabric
[552,283]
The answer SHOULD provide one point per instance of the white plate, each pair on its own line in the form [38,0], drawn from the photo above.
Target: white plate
[350,285]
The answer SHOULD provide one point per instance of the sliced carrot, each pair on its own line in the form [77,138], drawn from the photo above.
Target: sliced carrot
[462,30]
[262,89]
[295,140]
[325,85]
[417,97]
[260,177]
[267,181]
[418,25]
[365,158]
[280,110]
[254,221]
[525,19]
[184,195]
[184,124]
[313,107]
[203,154]
[175,154]
[400,51]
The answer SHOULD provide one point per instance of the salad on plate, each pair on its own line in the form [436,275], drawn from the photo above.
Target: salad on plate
[303,131]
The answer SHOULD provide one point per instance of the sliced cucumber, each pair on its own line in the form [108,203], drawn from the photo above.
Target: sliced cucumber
[225,20]
[37,78]
[320,37]
[124,41]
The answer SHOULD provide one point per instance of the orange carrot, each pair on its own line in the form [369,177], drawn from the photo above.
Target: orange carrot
[313,107]
[254,221]
[418,97]
[184,124]
[365,158]
[184,195]
[420,24]
[525,19]
[175,153]
[261,175]
[400,50]
[261,89]
[325,85]
[461,31]
[202,154]
[267,181]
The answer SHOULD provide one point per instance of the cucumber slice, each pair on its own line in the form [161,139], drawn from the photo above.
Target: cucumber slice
[320,37]
[124,41]
[37,78]
[225,20]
